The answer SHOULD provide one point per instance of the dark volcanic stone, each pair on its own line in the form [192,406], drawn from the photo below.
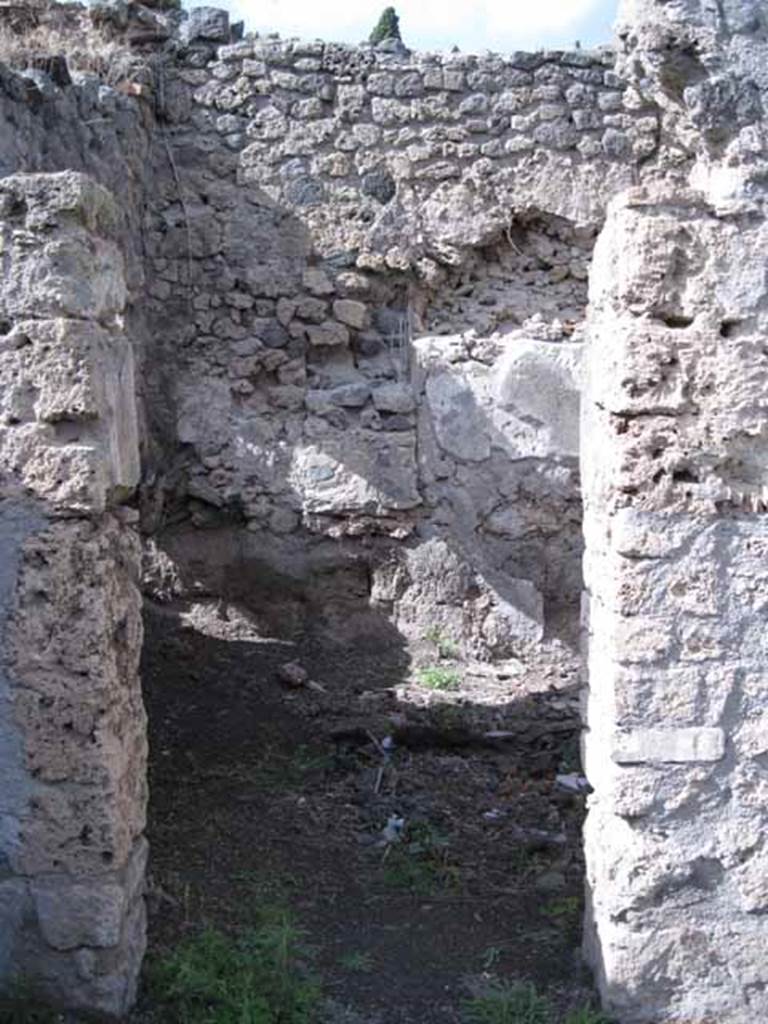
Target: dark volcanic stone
[379,185]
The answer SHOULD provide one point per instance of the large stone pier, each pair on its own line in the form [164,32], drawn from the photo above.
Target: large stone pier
[72,731]
[676,495]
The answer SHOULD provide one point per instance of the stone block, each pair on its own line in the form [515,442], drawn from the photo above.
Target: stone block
[380,83]
[206,25]
[77,655]
[68,422]
[537,381]
[674,746]
[350,396]
[84,914]
[350,312]
[408,84]
[516,619]
[74,913]
[310,308]
[328,334]
[317,282]
[460,423]
[357,474]
[15,906]
[57,241]
[395,398]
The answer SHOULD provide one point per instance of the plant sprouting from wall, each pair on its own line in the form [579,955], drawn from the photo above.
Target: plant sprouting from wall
[387,27]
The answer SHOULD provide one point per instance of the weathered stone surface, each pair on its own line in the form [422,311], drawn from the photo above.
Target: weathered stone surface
[350,312]
[74,742]
[317,282]
[60,258]
[506,472]
[539,384]
[91,913]
[394,398]
[660,746]
[68,429]
[65,659]
[72,728]
[350,396]
[327,334]
[673,495]
[516,620]
[366,474]
[207,24]
[460,423]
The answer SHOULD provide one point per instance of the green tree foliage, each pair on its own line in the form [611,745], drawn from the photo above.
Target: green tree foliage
[387,27]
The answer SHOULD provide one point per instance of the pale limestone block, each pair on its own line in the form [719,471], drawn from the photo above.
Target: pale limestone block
[659,746]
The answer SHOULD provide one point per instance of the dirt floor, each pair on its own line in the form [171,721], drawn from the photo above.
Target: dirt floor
[418,833]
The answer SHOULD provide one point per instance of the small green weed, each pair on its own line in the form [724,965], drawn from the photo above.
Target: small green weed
[565,906]
[507,1003]
[445,716]
[491,956]
[523,862]
[586,1015]
[257,978]
[446,648]
[270,883]
[438,677]
[18,1005]
[277,768]
[421,862]
[357,961]
[570,756]
[302,762]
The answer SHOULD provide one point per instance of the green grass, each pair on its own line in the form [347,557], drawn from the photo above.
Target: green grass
[421,862]
[292,769]
[507,1003]
[438,677]
[277,769]
[22,1011]
[357,961]
[19,1005]
[518,1002]
[564,906]
[258,977]
[586,1015]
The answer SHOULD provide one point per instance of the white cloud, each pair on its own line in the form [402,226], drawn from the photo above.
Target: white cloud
[493,24]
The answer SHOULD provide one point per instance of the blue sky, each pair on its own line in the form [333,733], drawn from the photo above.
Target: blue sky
[500,25]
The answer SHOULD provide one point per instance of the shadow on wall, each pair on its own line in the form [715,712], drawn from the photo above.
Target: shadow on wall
[309,479]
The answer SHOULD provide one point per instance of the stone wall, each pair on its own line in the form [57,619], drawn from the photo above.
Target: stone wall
[394,197]
[338,317]
[330,257]
[72,730]
[674,500]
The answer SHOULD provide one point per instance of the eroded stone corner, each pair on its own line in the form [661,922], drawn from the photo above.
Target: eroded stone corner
[72,724]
